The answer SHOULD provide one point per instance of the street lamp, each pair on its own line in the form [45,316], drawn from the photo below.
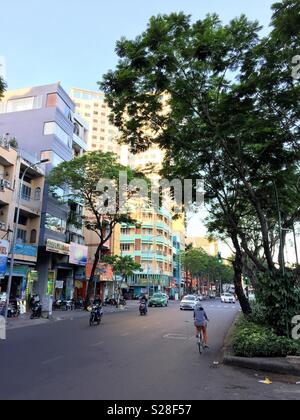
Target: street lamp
[14,241]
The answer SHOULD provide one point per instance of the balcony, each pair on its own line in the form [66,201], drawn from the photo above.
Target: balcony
[79,144]
[6,192]
[32,207]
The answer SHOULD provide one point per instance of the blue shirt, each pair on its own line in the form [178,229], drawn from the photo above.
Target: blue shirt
[200,316]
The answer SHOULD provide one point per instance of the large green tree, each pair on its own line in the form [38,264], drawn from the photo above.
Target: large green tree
[82,179]
[223,104]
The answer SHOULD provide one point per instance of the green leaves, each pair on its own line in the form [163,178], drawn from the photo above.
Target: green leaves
[2,87]
[124,266]
[199,263]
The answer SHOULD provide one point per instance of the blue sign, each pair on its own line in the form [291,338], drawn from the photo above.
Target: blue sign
[26,250]
[4,245]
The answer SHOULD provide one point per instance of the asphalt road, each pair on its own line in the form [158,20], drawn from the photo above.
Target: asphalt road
[129,357]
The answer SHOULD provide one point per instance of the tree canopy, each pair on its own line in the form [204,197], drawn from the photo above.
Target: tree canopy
[94,181]
[222,102]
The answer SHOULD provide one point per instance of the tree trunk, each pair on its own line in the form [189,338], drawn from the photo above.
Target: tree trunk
[90,286]
[238,277]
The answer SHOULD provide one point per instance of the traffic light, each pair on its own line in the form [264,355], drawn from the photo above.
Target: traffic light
[219,258]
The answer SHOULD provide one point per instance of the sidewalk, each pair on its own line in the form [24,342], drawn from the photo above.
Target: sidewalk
[57,316]
[276,365]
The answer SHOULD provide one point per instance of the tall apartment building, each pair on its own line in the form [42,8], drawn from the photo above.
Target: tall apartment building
[149,242]
[12,166]
[92,107]
[43,120]
[104,136]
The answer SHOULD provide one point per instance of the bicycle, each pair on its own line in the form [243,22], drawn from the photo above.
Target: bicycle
[200,342]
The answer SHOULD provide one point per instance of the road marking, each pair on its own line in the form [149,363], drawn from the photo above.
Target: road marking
[97,344]
[175,337]
[47,362]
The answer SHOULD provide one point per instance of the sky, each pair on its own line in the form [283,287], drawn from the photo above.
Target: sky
[73,41]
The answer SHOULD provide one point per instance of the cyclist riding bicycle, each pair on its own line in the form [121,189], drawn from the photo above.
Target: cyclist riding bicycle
[201,320]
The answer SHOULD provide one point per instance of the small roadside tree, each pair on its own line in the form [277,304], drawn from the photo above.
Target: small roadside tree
[94,181]
[123,266]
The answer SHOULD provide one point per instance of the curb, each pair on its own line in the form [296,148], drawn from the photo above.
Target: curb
[276,365]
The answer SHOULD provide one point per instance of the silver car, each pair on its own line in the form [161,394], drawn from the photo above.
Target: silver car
[189,302]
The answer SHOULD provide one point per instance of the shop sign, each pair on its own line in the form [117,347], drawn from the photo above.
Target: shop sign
[51,282]
[59,284]
[26,250]
[78,254]
[4,246]
[32,278]
[57,247]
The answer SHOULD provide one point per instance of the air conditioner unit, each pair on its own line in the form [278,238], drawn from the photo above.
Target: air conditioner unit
[7,184]
[2,186]
[2,226]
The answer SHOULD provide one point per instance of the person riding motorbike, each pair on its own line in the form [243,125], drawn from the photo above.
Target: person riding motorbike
[143,304]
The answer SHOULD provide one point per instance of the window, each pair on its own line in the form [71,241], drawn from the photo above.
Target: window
[96,113]
[56,160]
[26,193]
[51,100]
[125,231]
[95,129]
[33,236]
[18,105]
[37,194]
[87,115]
[52,128]
[55,224]
[95,137]
[21,235]
[125,247]
[54,100]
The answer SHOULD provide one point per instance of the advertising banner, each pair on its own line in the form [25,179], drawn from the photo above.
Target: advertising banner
[51,282]
[4,247]
[78,254]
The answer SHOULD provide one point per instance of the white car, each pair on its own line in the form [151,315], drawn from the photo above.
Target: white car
[228,298]
[189,302]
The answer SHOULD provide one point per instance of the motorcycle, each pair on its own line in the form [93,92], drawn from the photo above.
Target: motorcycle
[36,311]
[13,310]
[143,308]
[96,315]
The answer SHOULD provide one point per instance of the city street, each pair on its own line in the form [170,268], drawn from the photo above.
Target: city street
[129,357]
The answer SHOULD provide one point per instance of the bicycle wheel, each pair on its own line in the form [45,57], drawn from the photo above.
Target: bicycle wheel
[200,344]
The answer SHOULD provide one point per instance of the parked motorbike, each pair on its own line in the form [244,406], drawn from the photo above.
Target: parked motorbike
[96,315]
[143,308]
[110,301]
[36,311]
[13,310]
